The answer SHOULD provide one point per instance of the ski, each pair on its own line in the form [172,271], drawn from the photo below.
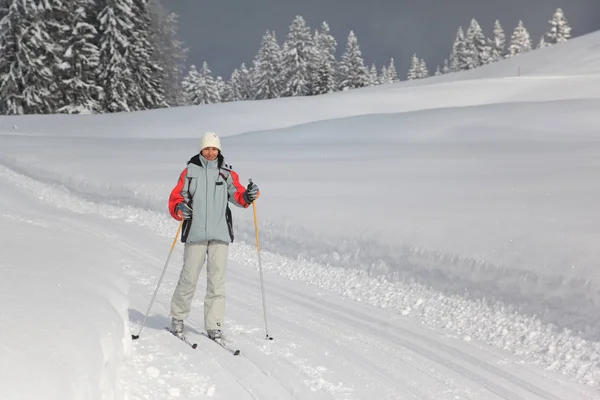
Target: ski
[182,338]
[223,343]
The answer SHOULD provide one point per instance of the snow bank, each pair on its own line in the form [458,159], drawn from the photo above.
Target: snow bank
[64,306]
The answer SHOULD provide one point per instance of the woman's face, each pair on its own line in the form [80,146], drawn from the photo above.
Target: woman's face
[210,153]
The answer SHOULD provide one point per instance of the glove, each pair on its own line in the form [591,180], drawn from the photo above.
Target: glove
[252,193]
[183,210]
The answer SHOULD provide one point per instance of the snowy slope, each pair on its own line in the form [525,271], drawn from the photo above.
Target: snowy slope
[433,239]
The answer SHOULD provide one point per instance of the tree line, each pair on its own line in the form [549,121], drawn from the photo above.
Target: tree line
[103,56]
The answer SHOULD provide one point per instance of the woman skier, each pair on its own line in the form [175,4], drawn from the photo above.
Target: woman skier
[201,198]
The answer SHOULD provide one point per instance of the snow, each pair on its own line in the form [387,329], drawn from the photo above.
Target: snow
[426,239]
[64,302]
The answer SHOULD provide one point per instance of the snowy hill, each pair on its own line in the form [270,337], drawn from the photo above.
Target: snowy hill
[427,239]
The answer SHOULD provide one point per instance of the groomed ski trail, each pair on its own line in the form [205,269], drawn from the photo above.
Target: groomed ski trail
[325,346]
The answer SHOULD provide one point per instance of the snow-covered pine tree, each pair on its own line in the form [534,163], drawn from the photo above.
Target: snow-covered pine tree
[498,43]
[383,75]
[234,87]
[78,90]
[542,43]
[479,45]
[392,73]
[189,86]
[228,92]
[207,90]
[373,76]
[423,70]
[146,73]
[446,67]
[560,30]
[224,89]
[267,68]
[169,52]
[458,56]
[414,71]
[12,17]
[246,83]
[438,71]
[471,60]
[27,54]
[352,71]
[200,87]
[298,56]
[121,91]
[56,17]
[520,41]
[389,73]
[324,81]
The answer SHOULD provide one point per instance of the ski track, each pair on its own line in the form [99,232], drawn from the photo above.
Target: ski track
[325,346]
[410,342]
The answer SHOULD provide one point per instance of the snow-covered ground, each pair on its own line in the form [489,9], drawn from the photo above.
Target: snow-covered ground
[435,239]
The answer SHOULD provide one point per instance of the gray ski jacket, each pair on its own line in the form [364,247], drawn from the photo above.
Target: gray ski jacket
[207,188]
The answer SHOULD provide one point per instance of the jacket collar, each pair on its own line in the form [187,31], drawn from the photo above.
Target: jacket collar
[200,161]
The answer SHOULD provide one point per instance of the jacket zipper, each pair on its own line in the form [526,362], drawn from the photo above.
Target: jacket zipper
[206,202]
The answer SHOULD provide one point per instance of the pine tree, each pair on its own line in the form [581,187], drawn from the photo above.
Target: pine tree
[471,60]
[27,54]
[392,73]
[169,52]
[146,73]
[57,17]
[200,87]
[121,92]
[298,54]
[77,84]
[235,93]
[479,45]
[223,89]
[389,73]
[438,71]
[414,72]
[520,41]
[458,56]
[324,81]
[499,43]
[423,70]
[245,83]
[326,45]
[383,74]
[267,68]
[542,43]
[560,31]
[189,84]
[352,71]
[373,76]
[446,67]
[207,91]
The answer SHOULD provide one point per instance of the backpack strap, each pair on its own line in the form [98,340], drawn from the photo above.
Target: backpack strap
[224,171]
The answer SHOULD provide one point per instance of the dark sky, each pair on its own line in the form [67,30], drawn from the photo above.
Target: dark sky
[226,33]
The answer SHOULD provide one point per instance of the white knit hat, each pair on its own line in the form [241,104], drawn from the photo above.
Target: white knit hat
[210,139]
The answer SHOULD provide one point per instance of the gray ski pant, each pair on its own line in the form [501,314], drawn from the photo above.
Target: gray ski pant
[194,255]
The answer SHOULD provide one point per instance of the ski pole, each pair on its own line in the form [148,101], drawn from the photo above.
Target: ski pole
[134,337]
[262,283]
